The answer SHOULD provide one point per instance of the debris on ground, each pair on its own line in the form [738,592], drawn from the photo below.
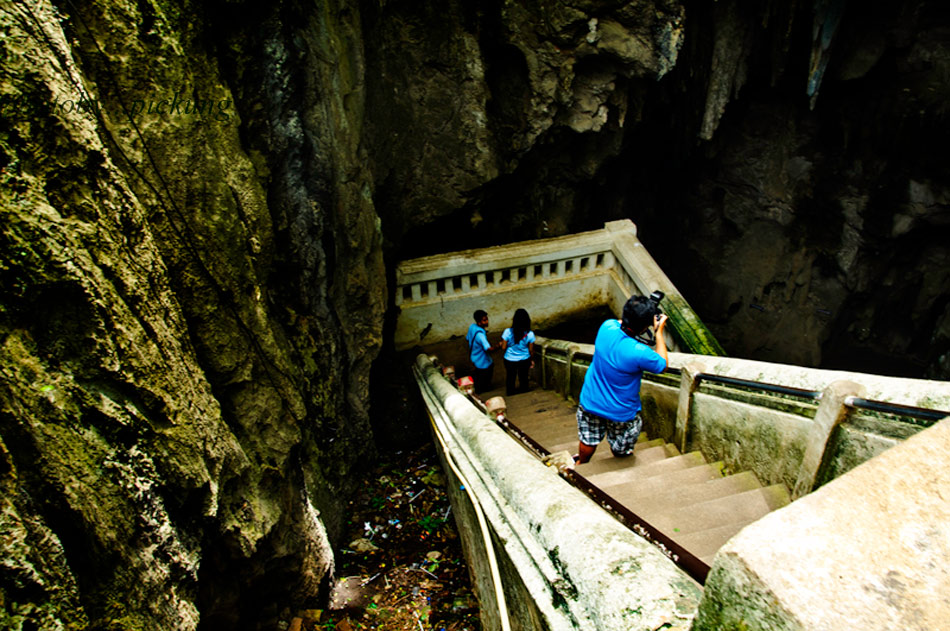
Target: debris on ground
[400,567]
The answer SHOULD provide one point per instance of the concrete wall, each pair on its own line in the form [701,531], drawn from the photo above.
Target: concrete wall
[744,438]
[762,432]
[869,551]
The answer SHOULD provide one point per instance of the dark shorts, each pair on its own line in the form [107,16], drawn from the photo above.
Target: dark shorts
[622,437]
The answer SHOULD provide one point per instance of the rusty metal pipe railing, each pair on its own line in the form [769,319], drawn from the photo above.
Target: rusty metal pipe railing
[683,558]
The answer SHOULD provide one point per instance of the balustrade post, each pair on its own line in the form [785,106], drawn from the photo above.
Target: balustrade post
[831,412]
[544,368]
[688,385]
[570,371]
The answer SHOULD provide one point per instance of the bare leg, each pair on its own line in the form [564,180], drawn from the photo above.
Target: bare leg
[584,452]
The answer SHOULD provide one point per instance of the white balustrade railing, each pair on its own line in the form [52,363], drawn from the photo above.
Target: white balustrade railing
[421,281]
[420,291]
[554,279]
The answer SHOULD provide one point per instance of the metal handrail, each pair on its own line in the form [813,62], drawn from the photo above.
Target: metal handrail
[929,416]
[923,414]
[683,558]
[761,385]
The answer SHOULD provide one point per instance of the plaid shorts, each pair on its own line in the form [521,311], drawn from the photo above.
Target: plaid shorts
[591,429]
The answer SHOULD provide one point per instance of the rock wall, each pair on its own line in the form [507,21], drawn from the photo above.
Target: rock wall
[811,227]
[784,160]
[192,295]
[493,121]
[197,200]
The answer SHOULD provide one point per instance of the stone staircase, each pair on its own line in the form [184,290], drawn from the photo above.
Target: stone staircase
[681,495]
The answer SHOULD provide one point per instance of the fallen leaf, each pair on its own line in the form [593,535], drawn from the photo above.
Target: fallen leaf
[311,615]
[434,478]
[344,625]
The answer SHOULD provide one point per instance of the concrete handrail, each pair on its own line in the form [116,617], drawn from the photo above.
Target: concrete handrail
[790,438]
[922,393]
[868,551]
[642,273]
[577,567]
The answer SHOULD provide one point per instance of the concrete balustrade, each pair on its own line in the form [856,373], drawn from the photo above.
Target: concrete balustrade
[555,279]
[867,550]
[564,563]
[765,433]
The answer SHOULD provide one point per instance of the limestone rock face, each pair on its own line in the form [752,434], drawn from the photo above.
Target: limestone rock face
[486,117]
[188,316]
[785,162]
[811,227]
[197,198]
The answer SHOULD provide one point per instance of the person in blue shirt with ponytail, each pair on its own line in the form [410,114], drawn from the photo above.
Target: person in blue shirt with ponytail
[518,344]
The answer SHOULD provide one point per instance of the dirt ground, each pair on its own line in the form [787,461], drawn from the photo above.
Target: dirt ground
[402,567]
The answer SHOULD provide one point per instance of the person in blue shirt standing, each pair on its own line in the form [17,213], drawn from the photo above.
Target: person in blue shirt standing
[479,347]
[518,344]
[610,397]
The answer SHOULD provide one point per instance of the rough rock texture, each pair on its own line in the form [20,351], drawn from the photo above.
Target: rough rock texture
[812,228]
[191,300]
[492,120]
[784,160]
[197,197]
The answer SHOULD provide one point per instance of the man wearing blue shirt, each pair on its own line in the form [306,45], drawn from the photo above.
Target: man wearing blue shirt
[479,347]
[610,397]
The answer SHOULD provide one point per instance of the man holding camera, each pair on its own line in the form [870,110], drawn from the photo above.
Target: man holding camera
[610,397]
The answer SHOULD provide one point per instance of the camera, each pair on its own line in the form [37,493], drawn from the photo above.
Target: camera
[655,299]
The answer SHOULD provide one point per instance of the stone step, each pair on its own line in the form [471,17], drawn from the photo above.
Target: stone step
[741,508]
[644,454]
[569,443]
[704,544]
[539,415]
[525,402]
[564,438]
[683,495]
[593,470]
[627,491]
[548,425]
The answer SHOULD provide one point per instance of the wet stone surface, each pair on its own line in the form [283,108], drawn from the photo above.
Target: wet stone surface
[401,566]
